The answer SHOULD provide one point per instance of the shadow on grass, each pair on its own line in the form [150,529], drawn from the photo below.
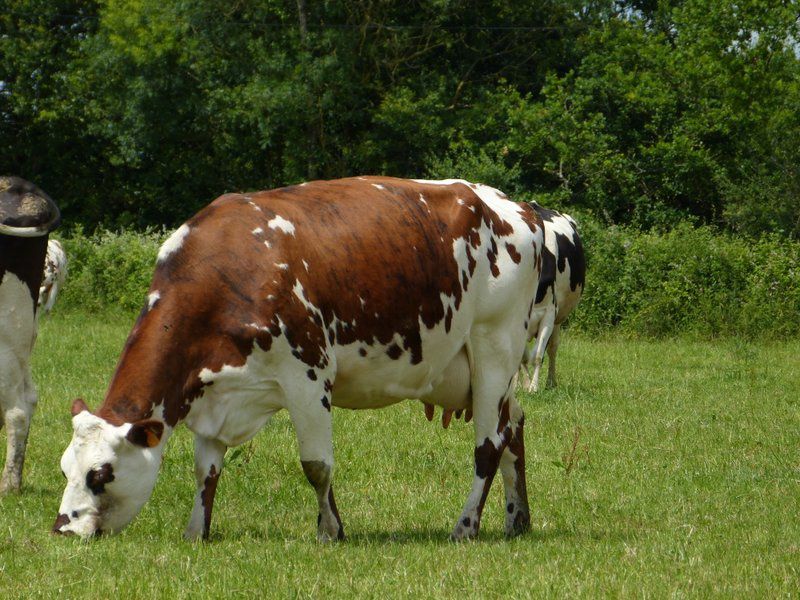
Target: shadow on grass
[435,536]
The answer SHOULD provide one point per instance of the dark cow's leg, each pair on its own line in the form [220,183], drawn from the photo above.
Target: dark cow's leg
[17,421]
[512,466]
[208,459]
[314,429]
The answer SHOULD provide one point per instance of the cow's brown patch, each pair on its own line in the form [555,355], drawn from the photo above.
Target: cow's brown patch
[448,320]
[487,456]
[207,498]
[513,253]
[394,351]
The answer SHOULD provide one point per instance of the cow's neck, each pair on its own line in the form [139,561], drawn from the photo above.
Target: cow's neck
[151,377]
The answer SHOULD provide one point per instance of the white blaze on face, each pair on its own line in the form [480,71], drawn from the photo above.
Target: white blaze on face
[173,243]
[108,478]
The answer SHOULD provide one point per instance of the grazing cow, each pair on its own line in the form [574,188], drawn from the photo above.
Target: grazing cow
[27,215]
[55,271]
[560,289]
[354,293]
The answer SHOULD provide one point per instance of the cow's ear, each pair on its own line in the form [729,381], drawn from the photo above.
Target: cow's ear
[145,433]
[78,406]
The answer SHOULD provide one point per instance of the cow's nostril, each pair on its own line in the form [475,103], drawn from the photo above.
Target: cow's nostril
[61,520]
[64,533]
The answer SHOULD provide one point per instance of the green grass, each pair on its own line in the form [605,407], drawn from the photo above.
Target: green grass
[685,481]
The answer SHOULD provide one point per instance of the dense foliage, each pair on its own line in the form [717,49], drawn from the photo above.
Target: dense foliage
[689,281]
[640,112]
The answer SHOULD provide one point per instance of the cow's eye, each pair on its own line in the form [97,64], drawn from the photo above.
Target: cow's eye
[96,479]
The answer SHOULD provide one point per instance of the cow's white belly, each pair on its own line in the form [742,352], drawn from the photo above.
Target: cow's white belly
[377,381]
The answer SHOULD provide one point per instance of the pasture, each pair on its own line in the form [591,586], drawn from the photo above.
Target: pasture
[667,468]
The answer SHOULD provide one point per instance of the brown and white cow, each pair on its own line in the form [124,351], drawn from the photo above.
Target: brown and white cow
[27,215]
[354,293]
[560,289]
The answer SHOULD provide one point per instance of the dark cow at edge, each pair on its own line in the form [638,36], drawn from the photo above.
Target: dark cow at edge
[27,215]
[354,293]
[560,289]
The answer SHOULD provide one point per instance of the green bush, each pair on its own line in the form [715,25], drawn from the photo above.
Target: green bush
[690,280]
[109,269]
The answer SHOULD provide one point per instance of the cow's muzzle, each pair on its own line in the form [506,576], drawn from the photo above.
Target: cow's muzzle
[61,521]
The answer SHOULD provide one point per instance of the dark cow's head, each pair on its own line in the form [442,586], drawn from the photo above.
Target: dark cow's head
[110,472]
[25,210]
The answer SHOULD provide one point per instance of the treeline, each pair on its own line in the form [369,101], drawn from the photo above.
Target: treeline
[641,113]
[690,281]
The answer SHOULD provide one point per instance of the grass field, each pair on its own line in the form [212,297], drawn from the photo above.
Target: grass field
[656,469]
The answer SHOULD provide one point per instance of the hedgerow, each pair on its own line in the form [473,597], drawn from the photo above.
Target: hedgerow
[109,269]
[690,280]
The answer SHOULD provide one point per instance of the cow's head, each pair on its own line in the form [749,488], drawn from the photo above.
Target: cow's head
[110,473]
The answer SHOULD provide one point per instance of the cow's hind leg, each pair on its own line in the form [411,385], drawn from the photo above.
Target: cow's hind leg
[314,428]
[17,419]
[490,392]
[524,379]
[552,348]
[542,339]
[208,459]
[512,466]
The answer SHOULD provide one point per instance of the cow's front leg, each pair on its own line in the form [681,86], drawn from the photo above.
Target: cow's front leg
[18,422]
[208,458]
[492,435]
[512,467]
[313,426]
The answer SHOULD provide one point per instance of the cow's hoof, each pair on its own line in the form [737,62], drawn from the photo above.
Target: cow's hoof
[194,536]
[9,487]
[518,524]
[465,529]
[324,537]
